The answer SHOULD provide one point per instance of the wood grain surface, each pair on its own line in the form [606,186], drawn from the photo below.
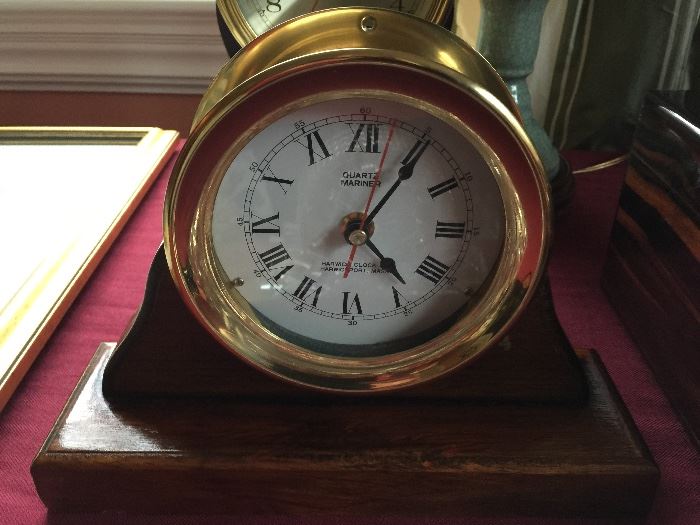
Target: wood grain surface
[347,456]
[652,272]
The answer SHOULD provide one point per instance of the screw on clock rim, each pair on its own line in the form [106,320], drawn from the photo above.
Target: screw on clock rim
[241,30]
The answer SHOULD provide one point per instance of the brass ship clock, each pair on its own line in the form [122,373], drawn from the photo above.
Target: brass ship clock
[373,220]
[353,317]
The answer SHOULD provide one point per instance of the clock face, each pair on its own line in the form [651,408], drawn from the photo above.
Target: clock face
[264,14]
[358,226]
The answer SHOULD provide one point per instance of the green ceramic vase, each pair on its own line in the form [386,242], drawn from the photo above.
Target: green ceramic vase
[509,36]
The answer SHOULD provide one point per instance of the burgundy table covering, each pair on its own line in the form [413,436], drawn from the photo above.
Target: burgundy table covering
[107,303]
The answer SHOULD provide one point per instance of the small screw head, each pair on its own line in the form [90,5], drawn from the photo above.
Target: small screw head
[237,282]
[368,23]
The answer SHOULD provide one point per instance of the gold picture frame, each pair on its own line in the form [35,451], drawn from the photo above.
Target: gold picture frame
[52,179]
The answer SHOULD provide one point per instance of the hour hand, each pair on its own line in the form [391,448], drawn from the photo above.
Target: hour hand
[385,263]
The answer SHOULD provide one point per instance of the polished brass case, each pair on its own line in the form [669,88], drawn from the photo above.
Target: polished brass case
[396,44]
[341,29]
[240,27]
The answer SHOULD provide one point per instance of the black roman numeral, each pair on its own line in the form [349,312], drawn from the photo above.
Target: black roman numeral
[371,142]
[313,153]
[282,182]
[266,225]
[449,230]
[281,273]
[432,269]
[304,289]
[397,297]
[274,256]
[441,188]
[348,304]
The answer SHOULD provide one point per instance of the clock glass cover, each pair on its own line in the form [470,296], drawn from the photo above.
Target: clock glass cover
[358,225]
[359,211]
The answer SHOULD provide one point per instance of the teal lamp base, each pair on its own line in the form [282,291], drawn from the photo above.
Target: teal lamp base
[509,36]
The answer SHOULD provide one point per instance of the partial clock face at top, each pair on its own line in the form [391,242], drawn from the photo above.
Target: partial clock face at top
[358,226]
[264,14]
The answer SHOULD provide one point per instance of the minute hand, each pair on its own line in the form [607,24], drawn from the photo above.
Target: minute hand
[405,172]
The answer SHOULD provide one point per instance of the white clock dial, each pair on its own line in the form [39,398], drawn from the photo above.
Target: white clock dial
[264,14]
[292,203]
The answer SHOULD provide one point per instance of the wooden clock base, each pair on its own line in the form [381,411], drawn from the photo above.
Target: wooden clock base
[422,454]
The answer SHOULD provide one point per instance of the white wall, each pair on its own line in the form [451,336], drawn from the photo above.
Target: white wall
[148,46]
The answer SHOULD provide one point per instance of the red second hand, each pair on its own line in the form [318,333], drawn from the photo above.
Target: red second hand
[371,195]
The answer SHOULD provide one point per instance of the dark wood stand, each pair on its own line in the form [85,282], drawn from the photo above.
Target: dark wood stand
[167,421]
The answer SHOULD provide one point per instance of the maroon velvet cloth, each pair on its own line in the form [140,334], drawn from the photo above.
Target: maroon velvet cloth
[107,303]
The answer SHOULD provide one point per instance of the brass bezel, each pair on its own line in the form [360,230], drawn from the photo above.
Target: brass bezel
[433,11]
[233,323]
